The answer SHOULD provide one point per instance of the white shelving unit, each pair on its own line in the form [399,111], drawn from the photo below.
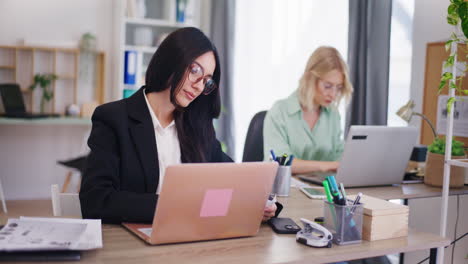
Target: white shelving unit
[448,158]
[160,19]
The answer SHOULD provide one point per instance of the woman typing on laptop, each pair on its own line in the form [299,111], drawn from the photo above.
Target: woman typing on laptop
[168,121]
[307,123]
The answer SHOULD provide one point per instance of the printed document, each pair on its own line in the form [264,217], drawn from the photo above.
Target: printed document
[33,234]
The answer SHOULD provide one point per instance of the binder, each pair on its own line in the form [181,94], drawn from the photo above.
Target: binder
[130,67]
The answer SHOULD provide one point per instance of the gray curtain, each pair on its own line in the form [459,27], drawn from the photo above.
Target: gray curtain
[222,35]
[368,61]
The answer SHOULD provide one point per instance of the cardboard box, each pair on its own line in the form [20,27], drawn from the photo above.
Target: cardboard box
[383,219]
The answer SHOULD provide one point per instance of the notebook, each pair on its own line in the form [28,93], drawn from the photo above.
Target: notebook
[13,103]
[373,156]
[207,201]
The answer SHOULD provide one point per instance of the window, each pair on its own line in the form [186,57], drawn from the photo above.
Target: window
[400,59]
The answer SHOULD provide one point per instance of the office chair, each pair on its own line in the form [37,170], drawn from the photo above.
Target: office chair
[75,164]
[253,147]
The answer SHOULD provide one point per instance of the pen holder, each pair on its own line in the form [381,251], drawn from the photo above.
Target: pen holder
[344,222]
[282,182]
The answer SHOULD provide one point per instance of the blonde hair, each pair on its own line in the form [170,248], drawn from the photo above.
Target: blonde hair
[323,60]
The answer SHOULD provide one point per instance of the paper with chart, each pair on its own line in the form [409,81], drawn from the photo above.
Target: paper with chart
[460,115]
[34,234]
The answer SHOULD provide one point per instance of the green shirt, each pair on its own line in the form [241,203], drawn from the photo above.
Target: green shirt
[286,131]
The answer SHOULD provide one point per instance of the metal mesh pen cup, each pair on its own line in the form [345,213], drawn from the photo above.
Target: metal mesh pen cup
[282,182]
[344,222]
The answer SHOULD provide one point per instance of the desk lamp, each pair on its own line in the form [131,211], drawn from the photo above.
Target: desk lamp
[406,113]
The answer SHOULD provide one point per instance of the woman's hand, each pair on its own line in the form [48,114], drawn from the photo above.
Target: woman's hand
[329,166]
[269,212]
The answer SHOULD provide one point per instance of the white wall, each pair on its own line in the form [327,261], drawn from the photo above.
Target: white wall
[58,23]
[28,153]
[430,25]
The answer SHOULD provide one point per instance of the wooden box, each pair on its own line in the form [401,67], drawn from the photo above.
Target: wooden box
[383,219]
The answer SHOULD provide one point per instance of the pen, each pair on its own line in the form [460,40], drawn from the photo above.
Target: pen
[272,154]
[344,193]
[282,159]
[356,202]
[291,157]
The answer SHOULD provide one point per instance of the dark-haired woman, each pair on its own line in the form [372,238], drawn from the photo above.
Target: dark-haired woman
[168,121]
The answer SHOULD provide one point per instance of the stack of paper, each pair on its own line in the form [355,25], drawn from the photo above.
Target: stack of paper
[34,234]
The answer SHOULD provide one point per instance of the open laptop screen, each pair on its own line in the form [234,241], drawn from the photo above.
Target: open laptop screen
[12,98]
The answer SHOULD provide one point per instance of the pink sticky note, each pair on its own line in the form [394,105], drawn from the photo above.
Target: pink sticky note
[216,202]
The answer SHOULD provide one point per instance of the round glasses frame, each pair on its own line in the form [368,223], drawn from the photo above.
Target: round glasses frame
[196,76]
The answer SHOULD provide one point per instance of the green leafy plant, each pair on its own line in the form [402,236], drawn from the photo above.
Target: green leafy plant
[457,15]
[44,81]
[438,147]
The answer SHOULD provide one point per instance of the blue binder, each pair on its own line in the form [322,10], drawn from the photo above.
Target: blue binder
[130,67]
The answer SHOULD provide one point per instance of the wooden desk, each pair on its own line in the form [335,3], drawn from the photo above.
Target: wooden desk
[120,246]
[405,191]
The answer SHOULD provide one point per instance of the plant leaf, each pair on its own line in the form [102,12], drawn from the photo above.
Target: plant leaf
[464,26]
[463,14]
[452,9]
[453,86]
[450,102]
[447,76]
[462,10]
[452,21]
[442,85]
[448,44]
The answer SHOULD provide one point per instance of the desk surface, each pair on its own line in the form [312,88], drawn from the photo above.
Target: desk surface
[405,191]
[267,247]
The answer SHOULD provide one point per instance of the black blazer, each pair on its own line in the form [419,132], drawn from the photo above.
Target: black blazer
[122,170]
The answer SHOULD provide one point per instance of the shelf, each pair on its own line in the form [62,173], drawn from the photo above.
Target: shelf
[7,67]
[144,49]
[46,121]
[459,162]
[155,22]
[65,77]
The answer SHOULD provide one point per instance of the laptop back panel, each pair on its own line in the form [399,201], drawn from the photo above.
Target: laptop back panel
[376,155]
[212,201]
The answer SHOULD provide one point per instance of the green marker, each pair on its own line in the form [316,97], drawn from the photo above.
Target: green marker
[326,186]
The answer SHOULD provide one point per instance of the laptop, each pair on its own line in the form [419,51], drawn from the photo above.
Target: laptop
[13,103]
[207,201]
[373,156]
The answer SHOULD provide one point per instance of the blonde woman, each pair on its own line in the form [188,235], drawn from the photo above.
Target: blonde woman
[307,123]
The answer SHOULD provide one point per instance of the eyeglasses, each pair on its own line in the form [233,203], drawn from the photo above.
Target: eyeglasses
[329,86]
[196,74]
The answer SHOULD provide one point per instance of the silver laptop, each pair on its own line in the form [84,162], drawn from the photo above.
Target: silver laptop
[373,156]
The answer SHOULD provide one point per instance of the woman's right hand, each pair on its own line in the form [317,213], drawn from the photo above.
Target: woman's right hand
[329,166]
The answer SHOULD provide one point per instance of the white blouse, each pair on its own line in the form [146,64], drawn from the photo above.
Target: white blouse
[167,144]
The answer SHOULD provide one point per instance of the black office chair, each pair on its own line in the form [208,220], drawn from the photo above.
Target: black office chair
[75,164]
[253,147]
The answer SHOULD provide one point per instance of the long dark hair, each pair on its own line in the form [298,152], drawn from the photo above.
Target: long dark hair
[168,69]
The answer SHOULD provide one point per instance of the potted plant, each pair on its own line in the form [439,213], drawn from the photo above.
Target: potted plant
[44,81]
[435,164]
